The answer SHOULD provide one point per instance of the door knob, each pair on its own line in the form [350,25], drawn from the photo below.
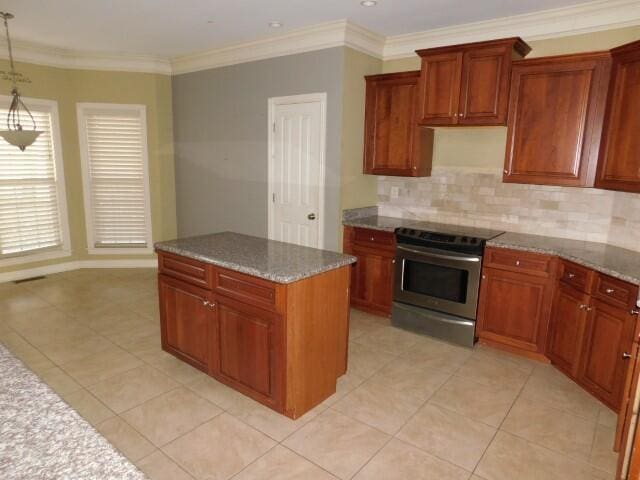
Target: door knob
[311,216]
[626,355]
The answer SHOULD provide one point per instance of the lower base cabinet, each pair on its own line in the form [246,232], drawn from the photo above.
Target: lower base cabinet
[606,352]
[249,342]
[372,275]
[521,323]
[187,331]
[567,329]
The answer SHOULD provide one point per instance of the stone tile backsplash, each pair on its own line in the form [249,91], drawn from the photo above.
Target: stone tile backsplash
[478,197]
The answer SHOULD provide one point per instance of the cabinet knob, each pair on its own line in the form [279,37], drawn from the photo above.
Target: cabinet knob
[583,306]
[517,263]
[393,261]
[505,171]
[372,239]
[626,356]
[571,275]
[609,290]
[634,311]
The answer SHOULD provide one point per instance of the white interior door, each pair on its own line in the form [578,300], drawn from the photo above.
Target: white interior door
[296,169]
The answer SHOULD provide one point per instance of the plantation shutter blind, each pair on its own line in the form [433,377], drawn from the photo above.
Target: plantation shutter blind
[115,163]
[29,213]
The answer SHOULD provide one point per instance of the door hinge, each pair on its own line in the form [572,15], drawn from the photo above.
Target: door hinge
[274,127]
[273,197]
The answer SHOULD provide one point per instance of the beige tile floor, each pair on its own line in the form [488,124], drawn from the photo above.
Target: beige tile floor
[409,408]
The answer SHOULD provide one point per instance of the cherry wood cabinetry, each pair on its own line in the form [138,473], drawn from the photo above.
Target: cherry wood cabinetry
[556,109]
[606,351]
[467,84]
[515,300]
[591,330]
[284,345]
[567,329]
[372,276]
[189,335]
[394,144]
[619,167]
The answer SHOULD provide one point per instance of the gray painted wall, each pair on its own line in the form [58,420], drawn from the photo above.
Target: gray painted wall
[220,133]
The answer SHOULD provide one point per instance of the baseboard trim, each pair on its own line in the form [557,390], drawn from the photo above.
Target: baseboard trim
[76,265]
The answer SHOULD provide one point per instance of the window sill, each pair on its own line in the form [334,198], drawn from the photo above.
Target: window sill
[120,251]
[34,257]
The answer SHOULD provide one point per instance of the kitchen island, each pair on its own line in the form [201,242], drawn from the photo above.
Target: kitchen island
[269,319]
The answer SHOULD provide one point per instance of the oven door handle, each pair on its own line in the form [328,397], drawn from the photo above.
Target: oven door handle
[438,255]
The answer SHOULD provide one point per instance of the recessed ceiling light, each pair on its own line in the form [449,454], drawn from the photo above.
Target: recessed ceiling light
[368,3]
[275,24]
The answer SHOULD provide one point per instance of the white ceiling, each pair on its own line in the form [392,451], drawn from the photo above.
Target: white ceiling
[169,28]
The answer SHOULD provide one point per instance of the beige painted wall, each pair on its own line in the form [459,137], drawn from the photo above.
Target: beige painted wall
[69,87]
[357,189]
[485,146]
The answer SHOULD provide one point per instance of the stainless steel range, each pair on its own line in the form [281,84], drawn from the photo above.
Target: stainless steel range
[437,280]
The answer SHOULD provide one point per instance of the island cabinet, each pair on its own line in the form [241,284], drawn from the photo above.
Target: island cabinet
[467,84]
[556,109]
[373,273]
[283,345]
[394,144]
[515,300]
[619,167]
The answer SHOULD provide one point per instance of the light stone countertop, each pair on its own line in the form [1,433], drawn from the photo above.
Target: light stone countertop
[268,259]
[41,437]
[614,261]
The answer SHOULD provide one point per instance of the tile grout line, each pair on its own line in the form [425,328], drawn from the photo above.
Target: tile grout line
[499,428]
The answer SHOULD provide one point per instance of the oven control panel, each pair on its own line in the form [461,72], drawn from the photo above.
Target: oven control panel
[440,240]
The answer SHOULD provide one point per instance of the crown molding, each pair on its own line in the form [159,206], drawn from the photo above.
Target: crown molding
[75,59]
[554,23]
[316,37]
[583,18]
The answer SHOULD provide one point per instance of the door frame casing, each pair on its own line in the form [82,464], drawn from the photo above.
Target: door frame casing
[273,103]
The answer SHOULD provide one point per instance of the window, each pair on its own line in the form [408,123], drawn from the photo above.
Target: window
[113,148]
[33,213]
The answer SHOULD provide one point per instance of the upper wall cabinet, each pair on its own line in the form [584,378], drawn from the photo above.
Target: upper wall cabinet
[393,142]
[619,167]
[467,84]
[556,108]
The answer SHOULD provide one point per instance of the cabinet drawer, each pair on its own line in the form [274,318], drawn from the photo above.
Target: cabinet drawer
[519,261]
[374,238]
[577,276]
[614,291]
[245,288]
[183,268]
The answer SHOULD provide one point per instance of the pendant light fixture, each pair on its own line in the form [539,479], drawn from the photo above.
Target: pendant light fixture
[15,134]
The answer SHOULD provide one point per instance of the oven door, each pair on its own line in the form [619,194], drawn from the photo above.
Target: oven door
[438,280]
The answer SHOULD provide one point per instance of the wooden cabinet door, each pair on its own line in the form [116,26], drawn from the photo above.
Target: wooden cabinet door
[619,167]
[485,86]
[250,339]
[566,329]
[556,106]
[372,280]
[439,93]
[514,309]
[393,142]
[186,321]
[608,340]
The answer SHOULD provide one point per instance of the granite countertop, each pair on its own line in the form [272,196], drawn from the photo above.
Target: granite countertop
[378,222]
[615,261]
[389,224]
[42,437]
[268,259]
